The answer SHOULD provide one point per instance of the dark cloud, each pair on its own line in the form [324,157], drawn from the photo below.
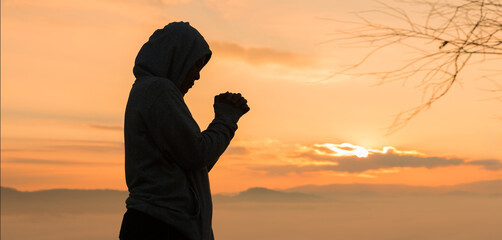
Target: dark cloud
[490,164]
[379,161]
[285,169]
[376,161]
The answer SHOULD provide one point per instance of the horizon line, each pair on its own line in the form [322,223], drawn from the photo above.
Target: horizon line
[282,189]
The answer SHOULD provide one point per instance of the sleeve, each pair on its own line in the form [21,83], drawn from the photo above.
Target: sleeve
[179,137]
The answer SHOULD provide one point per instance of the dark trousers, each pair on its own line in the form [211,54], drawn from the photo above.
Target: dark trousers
[140,226]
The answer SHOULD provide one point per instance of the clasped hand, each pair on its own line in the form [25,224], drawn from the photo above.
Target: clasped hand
[234,99]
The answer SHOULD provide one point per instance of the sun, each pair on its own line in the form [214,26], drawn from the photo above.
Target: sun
[347,149]
[360,152]
[344,149]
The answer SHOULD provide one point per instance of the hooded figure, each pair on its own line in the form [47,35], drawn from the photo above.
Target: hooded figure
[167,157]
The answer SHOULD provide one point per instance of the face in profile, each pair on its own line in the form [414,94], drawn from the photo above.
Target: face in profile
[192,75]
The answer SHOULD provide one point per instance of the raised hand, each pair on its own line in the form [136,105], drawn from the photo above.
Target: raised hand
[234,99]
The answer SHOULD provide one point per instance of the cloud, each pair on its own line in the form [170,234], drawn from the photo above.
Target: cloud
[160,2]
[26,3]
[59,145]
[262,55]
[354,164]
[232,8]
[87,13]
[106,127]
[25,150]
[318,158]
[53,162]
[87,148]
[236,151]
[490,164]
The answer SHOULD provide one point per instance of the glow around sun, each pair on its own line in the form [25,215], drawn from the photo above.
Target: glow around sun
[347,149]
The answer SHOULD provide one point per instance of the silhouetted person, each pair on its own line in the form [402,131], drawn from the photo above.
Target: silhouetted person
[167,157]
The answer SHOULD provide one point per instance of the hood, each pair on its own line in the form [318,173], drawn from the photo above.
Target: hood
[170,52]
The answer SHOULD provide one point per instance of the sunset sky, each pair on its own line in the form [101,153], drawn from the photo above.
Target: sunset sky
[66,73]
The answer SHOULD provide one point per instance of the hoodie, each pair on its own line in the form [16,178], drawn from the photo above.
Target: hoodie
[167,157]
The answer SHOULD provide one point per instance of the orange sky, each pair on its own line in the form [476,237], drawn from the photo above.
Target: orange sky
[67,71]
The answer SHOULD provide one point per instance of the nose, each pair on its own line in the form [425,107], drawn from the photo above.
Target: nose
[197,76]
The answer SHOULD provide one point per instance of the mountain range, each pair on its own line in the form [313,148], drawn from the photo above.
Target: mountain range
[57,201]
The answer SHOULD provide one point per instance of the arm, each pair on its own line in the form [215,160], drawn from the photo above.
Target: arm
[179,137]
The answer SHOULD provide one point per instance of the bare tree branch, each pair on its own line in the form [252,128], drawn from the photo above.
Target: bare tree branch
[460,30]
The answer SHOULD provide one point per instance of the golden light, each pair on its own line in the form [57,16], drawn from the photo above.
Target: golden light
[344,149]
[347,149]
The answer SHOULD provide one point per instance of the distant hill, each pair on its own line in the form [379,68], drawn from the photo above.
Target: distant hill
[74,201]
[62,201]
[487,188]
[483,187]
[260,194]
